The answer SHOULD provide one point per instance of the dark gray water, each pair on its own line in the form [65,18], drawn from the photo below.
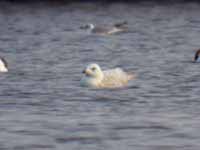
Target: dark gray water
[42,105]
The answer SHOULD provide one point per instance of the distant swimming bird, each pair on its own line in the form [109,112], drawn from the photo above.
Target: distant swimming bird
[197,56]
[3,65]
[116,28]
[96,78]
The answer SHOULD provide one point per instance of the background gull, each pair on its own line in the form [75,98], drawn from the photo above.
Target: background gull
[106,30]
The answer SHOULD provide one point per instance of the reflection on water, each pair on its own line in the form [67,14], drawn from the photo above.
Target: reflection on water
[42,105]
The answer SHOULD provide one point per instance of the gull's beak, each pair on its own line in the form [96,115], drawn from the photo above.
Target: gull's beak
[84,71]
[83,27]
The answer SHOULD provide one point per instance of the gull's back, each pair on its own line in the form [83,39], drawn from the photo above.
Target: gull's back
[115,78]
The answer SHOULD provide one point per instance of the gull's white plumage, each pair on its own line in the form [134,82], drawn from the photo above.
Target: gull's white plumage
[3,65]
[96,78]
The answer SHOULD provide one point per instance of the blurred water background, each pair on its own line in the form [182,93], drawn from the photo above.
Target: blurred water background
[42,105]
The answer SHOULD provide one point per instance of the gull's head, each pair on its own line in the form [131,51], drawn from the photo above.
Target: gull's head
[93,70]
[3,65]
[88,26]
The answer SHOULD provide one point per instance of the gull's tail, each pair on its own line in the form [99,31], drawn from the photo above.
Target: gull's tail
[131,76]
[120,24]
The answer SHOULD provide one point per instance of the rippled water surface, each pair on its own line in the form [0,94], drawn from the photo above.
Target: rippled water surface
[42,105]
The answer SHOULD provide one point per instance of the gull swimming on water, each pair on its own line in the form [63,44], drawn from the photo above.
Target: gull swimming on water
[3,65]
[96,78]
[116,28]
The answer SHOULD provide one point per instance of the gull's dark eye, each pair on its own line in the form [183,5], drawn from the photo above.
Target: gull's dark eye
[93,68]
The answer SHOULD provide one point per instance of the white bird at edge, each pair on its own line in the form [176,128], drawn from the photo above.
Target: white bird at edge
[3,65]
[197,56]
